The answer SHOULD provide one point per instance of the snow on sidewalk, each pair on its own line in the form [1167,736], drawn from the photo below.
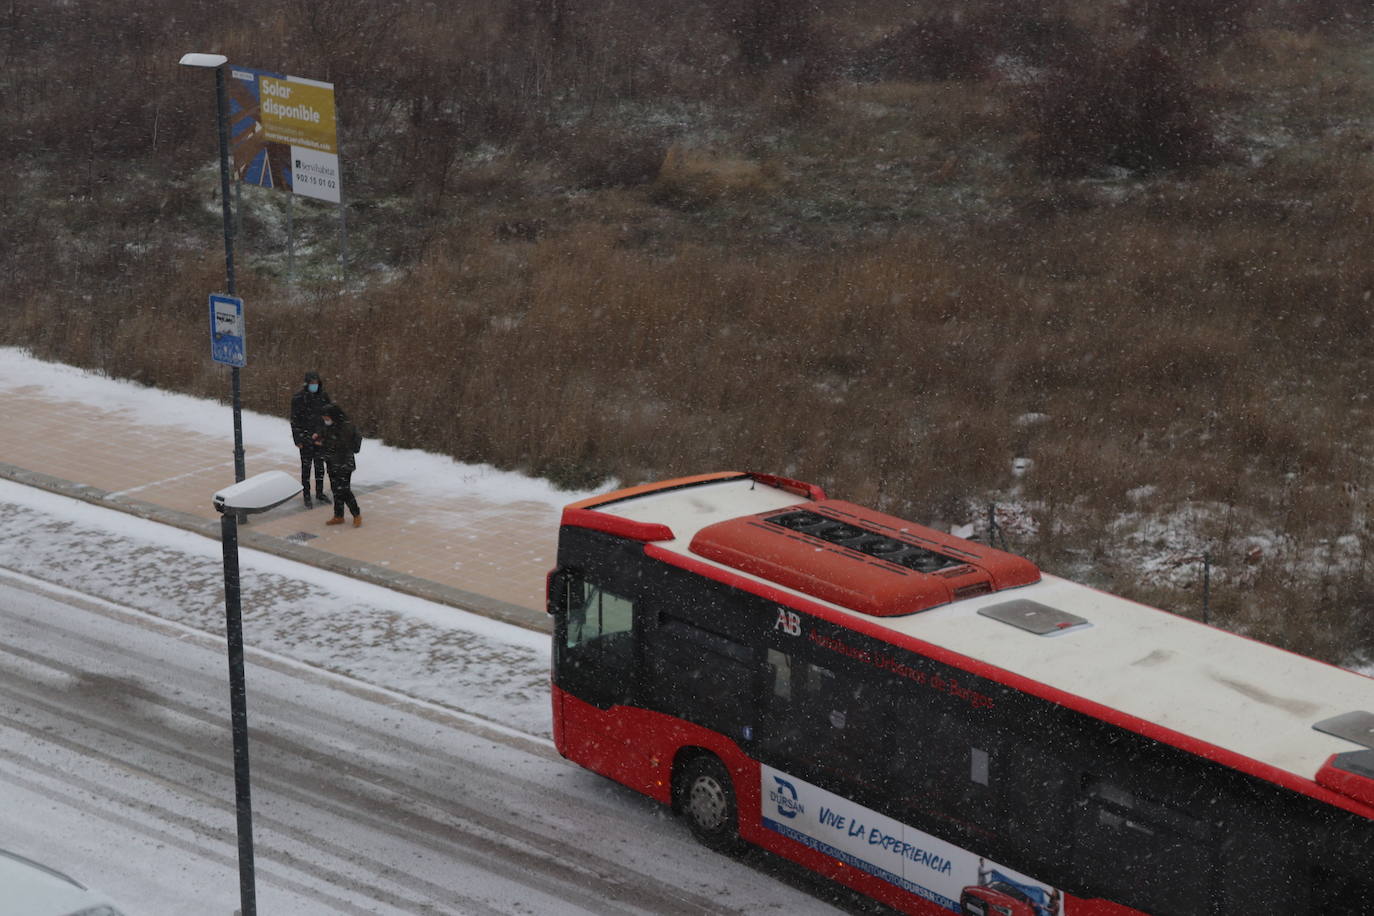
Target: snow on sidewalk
[483,538]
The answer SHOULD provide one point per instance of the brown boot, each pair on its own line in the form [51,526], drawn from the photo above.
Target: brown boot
[358,520]
[336,520]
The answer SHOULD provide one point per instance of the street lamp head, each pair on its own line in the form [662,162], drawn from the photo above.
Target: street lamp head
[210,61]
[257,494]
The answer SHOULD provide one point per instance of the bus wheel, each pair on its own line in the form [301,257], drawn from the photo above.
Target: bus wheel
[707,798]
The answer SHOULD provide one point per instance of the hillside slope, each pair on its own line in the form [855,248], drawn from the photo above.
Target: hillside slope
[1106,270]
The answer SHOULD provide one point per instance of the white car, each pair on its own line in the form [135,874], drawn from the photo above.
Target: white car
[30,889]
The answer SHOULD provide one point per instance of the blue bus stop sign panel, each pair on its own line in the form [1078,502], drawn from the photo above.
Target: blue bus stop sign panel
[226,330]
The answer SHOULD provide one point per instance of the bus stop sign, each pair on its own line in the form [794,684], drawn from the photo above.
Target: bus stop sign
[226,330]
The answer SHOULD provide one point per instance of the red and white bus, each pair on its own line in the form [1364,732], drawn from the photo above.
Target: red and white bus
[938,724]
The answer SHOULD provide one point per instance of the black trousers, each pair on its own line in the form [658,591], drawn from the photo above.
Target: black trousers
[310,455]
[341,482]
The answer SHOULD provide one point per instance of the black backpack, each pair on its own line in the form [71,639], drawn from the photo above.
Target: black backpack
[357,440]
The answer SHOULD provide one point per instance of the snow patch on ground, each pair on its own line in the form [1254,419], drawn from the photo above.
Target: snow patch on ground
[441,655]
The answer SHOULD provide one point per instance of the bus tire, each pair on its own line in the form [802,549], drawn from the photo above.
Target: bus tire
[706,798]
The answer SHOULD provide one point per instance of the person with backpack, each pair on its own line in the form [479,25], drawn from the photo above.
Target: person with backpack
[307,406]
[338,441]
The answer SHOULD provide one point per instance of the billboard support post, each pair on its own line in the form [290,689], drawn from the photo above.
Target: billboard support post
[291,239]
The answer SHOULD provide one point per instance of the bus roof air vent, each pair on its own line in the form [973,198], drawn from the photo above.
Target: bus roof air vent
[865,541]
[860,559]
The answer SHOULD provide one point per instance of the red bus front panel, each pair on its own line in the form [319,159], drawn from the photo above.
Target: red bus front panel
[637,748]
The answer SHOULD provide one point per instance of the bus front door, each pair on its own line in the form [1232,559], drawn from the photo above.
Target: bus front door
[594,664]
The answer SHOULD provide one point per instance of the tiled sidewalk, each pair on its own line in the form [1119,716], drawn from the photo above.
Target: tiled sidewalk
[463,550]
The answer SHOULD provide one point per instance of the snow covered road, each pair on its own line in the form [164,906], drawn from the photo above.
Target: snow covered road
[399,750]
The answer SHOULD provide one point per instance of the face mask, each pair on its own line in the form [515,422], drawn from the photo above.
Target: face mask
[328,422]
[313,387]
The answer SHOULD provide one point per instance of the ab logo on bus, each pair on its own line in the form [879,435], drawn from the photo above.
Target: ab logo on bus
[789,622]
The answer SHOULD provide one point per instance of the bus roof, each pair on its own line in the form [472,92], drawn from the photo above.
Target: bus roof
[1208,691]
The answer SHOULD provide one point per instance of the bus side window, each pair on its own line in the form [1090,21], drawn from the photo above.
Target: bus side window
[779,732]
[821,697]
[594,612]
[597,652]
[1142,852]
[846,721]
[1337,892]
[780,669]
[962,773]
[702,675]
[1034,790]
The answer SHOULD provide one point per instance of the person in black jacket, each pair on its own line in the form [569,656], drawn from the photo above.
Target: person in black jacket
[338,441]
[307,407]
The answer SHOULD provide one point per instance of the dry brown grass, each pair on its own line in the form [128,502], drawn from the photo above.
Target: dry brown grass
[871,290]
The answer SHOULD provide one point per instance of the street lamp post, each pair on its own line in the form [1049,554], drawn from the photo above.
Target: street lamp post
[216,62]
[238,713]
[262,492]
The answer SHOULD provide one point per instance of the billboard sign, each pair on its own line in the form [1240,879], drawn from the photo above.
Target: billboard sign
[283,133]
